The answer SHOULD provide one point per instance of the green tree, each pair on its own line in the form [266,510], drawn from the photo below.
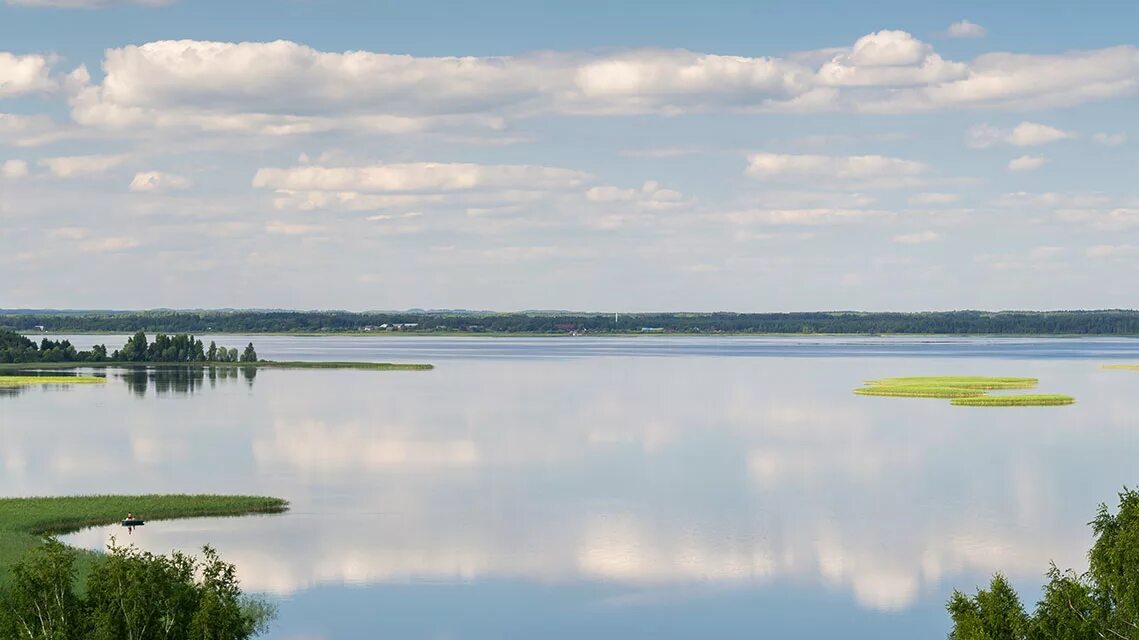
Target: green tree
[250,354]
[212,354]
[1100,604]
[39,601]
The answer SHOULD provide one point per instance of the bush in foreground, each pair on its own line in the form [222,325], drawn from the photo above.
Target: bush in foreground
[130,594]
[1101,603]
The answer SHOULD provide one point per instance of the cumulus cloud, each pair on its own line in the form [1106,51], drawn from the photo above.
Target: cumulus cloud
[108,245]
[1026,163]
[13,169]
[1025,134]
[922,237]
[966,29]
[868,171]
[158,181]
[23,74]
[416,177]
[292,229]
[802,217]
[933,198]
[1111,251]
[650,196]
[75,166]
[285,88]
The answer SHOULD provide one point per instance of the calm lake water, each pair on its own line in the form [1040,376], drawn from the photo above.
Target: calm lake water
[605,488]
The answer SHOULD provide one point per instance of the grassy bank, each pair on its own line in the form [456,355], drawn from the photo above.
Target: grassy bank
[15,381]
[1028,400]
[261,364]
[24,521]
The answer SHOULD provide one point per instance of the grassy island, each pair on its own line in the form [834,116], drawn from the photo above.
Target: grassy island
[1123,367]
[19,381]
[969,391]
[1028,400]
[23,521]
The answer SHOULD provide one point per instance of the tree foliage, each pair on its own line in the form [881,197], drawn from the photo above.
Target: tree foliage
[1102,603]
[129,595]
[165,349]
[1103,322]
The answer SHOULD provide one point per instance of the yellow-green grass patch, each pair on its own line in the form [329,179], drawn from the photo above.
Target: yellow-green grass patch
[960,382]
[917,391]
[13,381]
[1125,367]
[1028,400]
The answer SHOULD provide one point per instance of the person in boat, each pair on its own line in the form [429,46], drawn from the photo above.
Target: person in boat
[130,523]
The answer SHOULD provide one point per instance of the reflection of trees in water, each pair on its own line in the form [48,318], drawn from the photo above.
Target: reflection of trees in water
[6,390]
[182,380]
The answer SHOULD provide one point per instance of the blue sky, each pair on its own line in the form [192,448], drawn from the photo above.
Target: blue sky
[588,155]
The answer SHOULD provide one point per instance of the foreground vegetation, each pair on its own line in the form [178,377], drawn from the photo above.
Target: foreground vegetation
[15,381]
[1106,322]
[128,595]
[24,521]
[1027,400]
[1125,367]
[1102,603]
[963,390]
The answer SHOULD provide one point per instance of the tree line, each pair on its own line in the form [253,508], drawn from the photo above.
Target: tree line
[1104,322]
[180,348]
[128,594]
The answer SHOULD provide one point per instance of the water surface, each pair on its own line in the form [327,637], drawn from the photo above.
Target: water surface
[606,488]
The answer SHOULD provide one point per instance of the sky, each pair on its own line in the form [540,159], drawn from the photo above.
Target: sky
[598,156]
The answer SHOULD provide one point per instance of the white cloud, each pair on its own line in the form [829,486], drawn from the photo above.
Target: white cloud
[22,74]
[933,198]
[158,181]
[1110,139]
[801,217]
[1112,251]
[13,169]
[108,245]
[1025,134]
[922,237]
[1026,163]
[966,29]
[869,171]
[74,166]
[284,88]
[291,229]
[416,177]
[650,196]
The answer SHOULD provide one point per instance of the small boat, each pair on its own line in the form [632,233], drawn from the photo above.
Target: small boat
[132,523]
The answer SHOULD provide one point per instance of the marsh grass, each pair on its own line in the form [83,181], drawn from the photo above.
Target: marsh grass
[918,391]
[983,383]
[969,391]
[24,521]
[1027,400]
[1123,367]
[15,381]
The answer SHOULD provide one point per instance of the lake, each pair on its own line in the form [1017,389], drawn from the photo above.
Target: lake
[614,488]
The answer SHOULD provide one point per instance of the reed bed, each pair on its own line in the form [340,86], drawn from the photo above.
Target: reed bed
[970,391]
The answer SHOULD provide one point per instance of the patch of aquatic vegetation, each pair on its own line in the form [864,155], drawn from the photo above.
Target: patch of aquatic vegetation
[983,383]
[919,391]
[1027,400]
[963,390]
[1123,367]
[15,381]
